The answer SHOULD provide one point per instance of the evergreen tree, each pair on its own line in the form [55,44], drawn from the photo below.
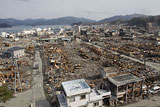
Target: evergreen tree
[5,93]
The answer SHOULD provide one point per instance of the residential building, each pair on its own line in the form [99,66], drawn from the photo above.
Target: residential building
[4,34]
[15,52]
[77,93]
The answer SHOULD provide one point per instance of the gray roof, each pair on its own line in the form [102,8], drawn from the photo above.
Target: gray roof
[75,87]
[124,79]
[110,69]
[15,48]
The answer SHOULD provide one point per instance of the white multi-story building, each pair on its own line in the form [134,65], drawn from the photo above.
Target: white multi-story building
[4,34]
[15,52]
[77,93]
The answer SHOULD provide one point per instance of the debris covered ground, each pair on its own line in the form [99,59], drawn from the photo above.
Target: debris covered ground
[78,60]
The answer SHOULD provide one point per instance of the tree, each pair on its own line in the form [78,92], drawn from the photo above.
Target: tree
[0,42]
[151,19]
[5,93]
[158,21]
[138,21]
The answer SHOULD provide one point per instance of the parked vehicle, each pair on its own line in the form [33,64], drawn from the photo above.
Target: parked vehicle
[36,66]
[154,90]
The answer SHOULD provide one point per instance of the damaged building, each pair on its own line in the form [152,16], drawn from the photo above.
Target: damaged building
[15,52]
[124,87]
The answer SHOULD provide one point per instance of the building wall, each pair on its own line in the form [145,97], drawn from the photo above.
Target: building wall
[92,104]
[18,53]
[158,43]
[78,102]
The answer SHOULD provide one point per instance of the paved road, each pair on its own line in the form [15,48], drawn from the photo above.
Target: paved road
[153,65]
[39,99]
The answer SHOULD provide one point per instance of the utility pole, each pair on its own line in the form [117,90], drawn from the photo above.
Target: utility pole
[14,76]
[17,75]
[144,58]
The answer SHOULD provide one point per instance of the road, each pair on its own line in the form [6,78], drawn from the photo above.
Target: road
[35,95]
[153,65]
[39,99]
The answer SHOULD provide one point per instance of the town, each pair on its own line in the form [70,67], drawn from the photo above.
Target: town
[80,65]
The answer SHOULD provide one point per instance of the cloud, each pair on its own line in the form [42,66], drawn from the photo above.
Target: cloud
[24,0]
[89,11]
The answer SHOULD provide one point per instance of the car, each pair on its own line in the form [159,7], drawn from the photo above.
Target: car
[154,90]
[36,66]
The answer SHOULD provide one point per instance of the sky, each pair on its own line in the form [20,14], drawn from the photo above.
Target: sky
[92,9]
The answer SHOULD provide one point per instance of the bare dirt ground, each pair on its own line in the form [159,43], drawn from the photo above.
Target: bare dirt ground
[89,68]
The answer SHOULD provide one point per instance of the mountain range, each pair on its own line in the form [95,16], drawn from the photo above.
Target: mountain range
[122,17]
[65,20]
[59,21]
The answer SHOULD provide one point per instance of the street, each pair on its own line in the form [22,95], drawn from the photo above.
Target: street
[39,99]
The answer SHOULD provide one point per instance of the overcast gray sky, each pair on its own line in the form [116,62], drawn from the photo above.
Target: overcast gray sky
[93,9]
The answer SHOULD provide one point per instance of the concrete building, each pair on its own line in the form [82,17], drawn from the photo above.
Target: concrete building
[15,52]
[4,34]
[26,32]
[77,93]
[50,39]
[83,32]
[124,87]
[58,30]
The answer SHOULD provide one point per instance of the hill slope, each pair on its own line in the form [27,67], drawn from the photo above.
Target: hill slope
[63,21]
[121,17]
[143,21]
[58,21]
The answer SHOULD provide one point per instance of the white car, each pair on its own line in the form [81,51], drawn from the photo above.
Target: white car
[154,90]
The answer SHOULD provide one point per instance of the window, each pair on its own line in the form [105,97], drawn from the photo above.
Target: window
[72,99]
[82,97]
[96,104]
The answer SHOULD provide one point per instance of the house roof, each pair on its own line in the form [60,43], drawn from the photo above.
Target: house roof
[15,48]
[75,87]
[110,69]
[98,94]
[124,79]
